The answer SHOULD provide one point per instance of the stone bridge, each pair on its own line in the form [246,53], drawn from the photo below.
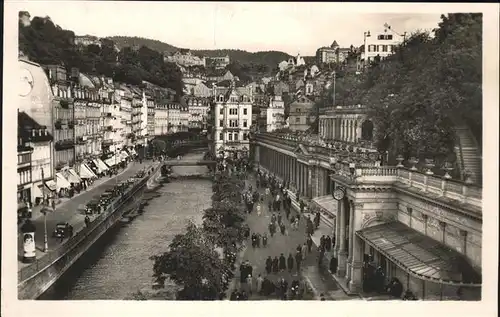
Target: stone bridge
[422,229]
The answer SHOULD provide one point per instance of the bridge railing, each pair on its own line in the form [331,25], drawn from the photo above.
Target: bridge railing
[60,250]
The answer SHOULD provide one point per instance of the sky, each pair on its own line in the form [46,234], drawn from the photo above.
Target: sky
[294,27]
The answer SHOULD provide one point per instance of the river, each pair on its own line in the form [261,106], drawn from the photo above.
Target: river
[118,264]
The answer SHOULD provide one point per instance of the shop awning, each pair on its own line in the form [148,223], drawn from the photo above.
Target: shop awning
[73,177]
[98,167]
[62,182]
[327,203]
[101,164]
[124,154]
[112,161]
[86,172]
[49,188]
[419,255]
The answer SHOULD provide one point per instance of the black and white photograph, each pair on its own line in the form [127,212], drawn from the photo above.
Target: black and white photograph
[239,151]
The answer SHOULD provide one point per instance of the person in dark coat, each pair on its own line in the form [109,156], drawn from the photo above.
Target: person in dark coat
[290,261]
[309,242]
[298,260]
[283,288]
[328,243]
[279,218]
[269,264]
[243,272]
[322,243]
[333,265]
[264,240]
[317,218]
[275,264]
[282,262]
[282,228]
[272,229]
[254,238]
[257,240]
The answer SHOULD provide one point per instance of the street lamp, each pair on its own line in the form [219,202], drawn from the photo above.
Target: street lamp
[44,210]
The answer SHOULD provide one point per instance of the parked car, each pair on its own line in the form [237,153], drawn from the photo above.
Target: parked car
[63,229]
[92,207]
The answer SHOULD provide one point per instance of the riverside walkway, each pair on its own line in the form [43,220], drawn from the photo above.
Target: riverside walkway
[68,211]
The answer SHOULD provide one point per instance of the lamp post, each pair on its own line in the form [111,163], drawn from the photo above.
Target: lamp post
[44,211]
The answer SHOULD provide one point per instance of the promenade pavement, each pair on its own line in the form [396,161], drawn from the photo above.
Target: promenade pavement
[69,211]
[318,282]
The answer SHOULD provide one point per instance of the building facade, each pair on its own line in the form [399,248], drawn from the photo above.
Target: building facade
[161,119]
[275,114]
[151,117]
[381,43]
[300,116]
[184,116]
[198,111]
[185,58]
[418,228]
[174,117]
[233,118]
[218,62]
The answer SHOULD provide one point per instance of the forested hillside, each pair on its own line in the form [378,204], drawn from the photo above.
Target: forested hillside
[47,43]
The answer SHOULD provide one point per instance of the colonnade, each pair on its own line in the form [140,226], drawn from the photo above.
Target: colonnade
[340,128]
[314,181]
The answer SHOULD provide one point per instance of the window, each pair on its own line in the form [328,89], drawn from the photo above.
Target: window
[244,111]
[389,37]
[384,48]
[221,112]
[380,37]
[297,120]
[233,111]
[233,123]
[389,47]
[221,136]
[230,136]
[236,136]
[245,136]
[221,98]
[221,123]
[245,123]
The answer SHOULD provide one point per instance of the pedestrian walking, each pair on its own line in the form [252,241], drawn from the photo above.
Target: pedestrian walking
[282,228]
[290,261]
[298,260]
[279,218]
[257,240]
[304,250]
[264,240]
[249,284]
[282,263]
[260,280]
[269,264]
[275,264]
[309,243]
[328,243]
[258,210]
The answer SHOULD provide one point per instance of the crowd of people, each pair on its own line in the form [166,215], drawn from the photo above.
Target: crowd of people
[274,194]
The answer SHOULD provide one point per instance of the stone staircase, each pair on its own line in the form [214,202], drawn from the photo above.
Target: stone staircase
[469,156]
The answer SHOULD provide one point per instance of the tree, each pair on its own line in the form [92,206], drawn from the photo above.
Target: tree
[192,263]
[224,223]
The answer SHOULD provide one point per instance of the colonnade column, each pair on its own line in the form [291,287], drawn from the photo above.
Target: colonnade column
[342,130]
[342,257]
[357,251]
[332,136]
[337,231]
[351,239]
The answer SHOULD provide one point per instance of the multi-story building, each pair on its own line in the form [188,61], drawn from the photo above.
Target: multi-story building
[151,106]
[381,43]
[275,114]
[233,118]
[86,40]
[35,127]
[124,96]
[24,161]
[198,111]
[184,116]
[300,116]
[137,107]
[332,55]
[63,114]
[37,137]
[161,119]
[174,117]
[219,75]
[184,57]
[217,62]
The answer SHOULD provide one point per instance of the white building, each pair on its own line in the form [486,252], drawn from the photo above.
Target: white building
[275,114]
[381,43]
[124,97]
[174,117]
[198,111]
[144,116]
[233,118]
[184,57]
[161,119]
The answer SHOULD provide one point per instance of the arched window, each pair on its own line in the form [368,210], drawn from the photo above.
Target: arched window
[221,98]
[367,130]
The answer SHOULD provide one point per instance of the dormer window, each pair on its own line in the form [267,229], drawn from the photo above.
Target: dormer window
[221,98]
